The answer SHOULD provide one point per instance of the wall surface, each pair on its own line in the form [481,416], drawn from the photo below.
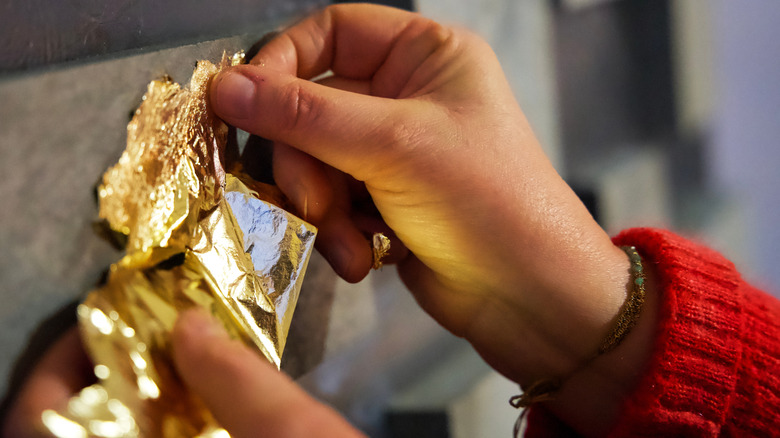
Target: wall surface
[38,33]
[521,34]
[745,127]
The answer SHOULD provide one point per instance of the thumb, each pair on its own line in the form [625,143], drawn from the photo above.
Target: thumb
[344,129]
[246,394]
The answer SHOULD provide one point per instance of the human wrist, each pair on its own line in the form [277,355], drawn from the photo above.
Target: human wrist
[548,325]
[592,398]
[546,389]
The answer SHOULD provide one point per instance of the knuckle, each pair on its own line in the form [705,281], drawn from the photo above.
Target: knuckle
[437,32]
[407,135]
[474,43]
[402,139]
[304,108]
[421,144]
[404,135]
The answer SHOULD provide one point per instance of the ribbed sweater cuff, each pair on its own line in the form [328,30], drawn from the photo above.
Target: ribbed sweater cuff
[690,381]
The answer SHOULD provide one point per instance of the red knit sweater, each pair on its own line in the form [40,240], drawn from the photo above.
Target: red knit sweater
[715,368]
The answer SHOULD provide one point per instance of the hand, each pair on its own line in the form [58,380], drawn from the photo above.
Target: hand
[418,123]
[61,373]
[416,131]
[246,394]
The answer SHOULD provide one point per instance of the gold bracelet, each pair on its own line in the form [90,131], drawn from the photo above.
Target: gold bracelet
[629,314]
[543,390]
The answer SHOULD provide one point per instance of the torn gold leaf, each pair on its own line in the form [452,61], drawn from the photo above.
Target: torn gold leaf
[380,245]
[198,235]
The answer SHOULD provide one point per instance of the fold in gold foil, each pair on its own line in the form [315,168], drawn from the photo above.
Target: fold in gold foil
[380,246]
[196,236]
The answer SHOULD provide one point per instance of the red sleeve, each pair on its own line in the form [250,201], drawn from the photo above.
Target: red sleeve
[715,368]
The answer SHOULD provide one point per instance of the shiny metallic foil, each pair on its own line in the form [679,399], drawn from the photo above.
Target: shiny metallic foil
[197,235]
[380,247]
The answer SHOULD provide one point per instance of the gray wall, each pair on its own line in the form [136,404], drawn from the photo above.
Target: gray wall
[745,127]
[39,33]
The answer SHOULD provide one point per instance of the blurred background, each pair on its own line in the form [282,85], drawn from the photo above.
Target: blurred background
[659,112]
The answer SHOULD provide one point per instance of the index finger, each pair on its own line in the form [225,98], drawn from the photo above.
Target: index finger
[354,41]
[246,394]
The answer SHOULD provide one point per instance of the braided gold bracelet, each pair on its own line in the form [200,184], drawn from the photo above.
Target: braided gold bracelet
[544,390]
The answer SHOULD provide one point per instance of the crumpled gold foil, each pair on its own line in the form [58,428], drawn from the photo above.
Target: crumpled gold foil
[196,236]
[380,247]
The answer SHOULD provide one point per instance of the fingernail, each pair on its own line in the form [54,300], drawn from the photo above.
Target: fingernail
[235,95]
[201,324]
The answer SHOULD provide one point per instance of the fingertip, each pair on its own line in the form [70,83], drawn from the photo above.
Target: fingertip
[345,247]
[342,258]
[193,334]
[197,323]
[209,360]
[233,95]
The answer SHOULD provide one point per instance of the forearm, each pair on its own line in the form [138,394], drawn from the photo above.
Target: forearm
[560,315]
[591,399]
[527,352]
[712,354]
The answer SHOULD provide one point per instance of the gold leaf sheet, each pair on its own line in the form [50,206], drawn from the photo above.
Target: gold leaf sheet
[196,236]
